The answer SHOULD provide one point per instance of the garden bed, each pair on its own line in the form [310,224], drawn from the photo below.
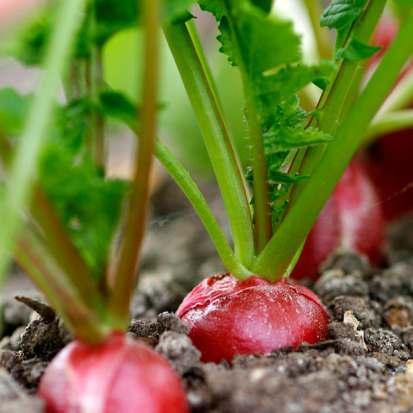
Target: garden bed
[363,366]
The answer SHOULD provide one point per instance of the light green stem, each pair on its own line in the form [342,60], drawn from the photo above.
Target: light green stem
[182,178]
[32,255]
[125,272]
[24,167]
[342,90]
[216,138]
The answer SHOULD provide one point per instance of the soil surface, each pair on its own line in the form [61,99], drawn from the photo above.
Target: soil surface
[366,365]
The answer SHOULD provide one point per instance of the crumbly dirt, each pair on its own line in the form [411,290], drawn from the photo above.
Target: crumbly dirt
[365,365]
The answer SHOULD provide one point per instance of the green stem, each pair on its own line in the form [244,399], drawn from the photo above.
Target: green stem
[62,248]
[321,35]
[125,271]
[184,180]
[335,102]
[387,123]
[23,169]
[216,138]
[32,256]
[280,251]
[262,210]
[212,84]
[192,192]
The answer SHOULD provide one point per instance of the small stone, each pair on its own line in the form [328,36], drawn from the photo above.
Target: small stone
[351,320]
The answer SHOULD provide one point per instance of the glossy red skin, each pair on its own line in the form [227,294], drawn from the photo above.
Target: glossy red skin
[227,317]
[322,241]
[121,375]
[352,219]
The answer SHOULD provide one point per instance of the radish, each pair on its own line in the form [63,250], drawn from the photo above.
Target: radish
[119,375]
[228,317]
[352,219]
[323,239]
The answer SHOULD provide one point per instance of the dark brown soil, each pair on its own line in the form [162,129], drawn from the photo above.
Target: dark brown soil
[366,365]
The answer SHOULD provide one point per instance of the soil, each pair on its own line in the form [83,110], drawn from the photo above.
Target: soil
[366,365]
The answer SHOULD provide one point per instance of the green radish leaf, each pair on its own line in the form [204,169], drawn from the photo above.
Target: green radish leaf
[256,43]
[87,203]
[357,50]
[341,15]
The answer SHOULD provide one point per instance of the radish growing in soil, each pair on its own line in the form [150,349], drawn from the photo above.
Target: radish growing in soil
[102,370]
[294,168]
[119,375]
[296,160]
[223,323]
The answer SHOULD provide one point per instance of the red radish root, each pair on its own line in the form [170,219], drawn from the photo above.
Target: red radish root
[120,375]
[352,219]
[228,317]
